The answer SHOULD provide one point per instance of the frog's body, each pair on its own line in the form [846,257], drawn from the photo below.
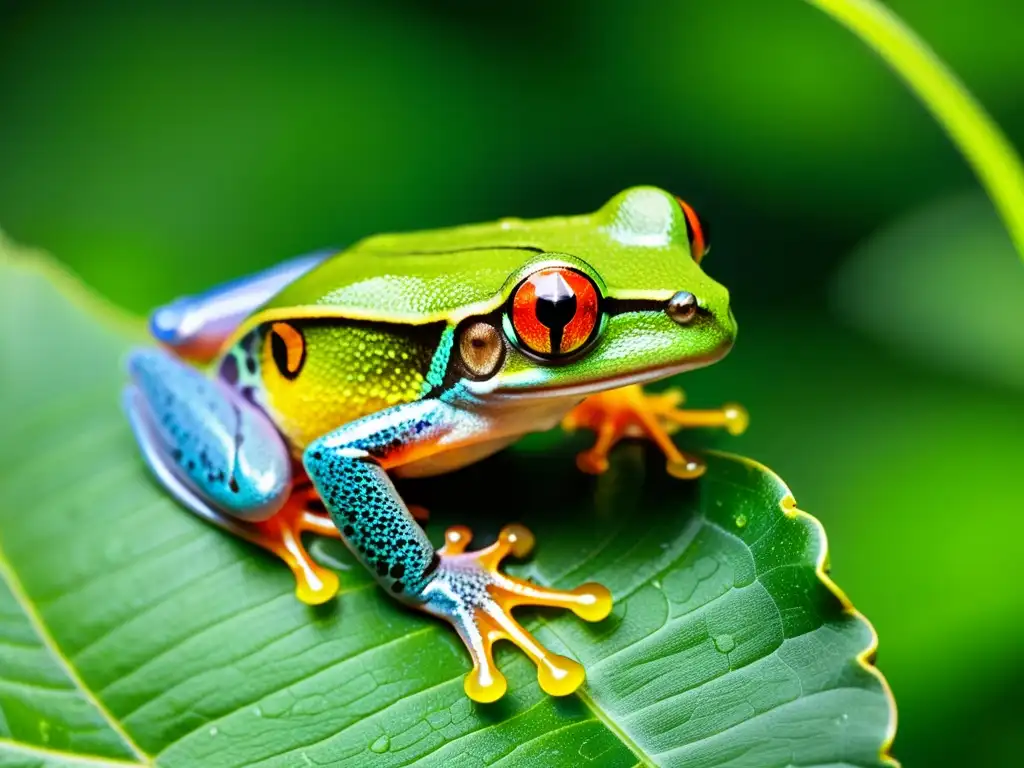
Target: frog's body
[356,368]
[416,354]
[352,369]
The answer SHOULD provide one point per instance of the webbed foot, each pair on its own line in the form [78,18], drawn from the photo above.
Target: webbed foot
[630,412]
[468,590]
[282,535]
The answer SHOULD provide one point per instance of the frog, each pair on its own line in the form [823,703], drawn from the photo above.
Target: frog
[286,403]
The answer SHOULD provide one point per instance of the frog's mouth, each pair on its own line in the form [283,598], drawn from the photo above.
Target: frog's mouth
[540,383]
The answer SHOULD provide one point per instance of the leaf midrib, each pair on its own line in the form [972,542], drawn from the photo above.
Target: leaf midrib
[615,728]
[10,578]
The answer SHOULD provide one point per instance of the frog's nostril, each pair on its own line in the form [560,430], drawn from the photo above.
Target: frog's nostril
[682,307]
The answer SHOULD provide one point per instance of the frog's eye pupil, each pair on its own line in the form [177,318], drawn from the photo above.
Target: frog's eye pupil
[288,349]
[556,306]
[555,311]
[697,232]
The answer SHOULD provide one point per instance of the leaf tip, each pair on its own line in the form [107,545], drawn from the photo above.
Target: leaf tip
[33,261]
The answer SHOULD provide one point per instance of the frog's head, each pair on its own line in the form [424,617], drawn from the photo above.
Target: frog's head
[617,297]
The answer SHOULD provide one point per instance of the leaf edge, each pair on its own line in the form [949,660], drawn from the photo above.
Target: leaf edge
[865,658]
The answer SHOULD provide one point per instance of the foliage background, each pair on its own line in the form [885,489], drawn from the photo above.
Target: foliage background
[159,147]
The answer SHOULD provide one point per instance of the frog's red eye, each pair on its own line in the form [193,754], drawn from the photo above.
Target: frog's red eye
[696,232]
[555,311]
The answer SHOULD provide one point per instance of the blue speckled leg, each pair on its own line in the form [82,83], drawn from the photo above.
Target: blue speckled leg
[213,450]
[349,470]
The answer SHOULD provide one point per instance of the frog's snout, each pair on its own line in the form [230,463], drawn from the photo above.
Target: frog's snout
[682,307]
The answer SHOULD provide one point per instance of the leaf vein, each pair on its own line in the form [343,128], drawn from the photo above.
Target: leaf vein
[334,663]
[8,575]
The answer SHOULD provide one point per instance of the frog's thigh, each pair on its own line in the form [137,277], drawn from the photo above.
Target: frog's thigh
[223,460]
[196,327]
[214,452]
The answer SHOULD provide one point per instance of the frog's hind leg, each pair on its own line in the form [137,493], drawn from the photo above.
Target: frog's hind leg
[222,459]
[196,327]
[631,412]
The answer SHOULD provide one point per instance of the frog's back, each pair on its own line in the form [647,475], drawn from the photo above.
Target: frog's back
[352,333]
[447,275]
[441,275]
[412,287]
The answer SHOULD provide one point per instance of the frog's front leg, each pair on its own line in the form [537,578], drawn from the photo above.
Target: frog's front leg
[349,469]
[223,460]
[631,412]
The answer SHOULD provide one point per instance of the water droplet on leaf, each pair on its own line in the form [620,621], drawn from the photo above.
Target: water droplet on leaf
[724,643]
[741,521]
[382,744]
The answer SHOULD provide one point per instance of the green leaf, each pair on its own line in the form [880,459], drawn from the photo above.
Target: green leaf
[133,633]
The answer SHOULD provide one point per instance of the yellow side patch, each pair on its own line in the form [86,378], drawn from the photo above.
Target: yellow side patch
[348,371]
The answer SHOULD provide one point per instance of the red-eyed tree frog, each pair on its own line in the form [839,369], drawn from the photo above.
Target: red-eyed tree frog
[282,403]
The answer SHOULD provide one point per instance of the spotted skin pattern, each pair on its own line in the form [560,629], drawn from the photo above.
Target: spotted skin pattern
[215,442]
[346,468]
[239,369]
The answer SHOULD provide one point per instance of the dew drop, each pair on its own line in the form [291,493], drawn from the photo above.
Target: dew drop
[44,731]
[257,711]
[213,730]
[724,643]
[382,744]
[741,521]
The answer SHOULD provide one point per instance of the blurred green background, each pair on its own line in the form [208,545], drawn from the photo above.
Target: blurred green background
[159,147]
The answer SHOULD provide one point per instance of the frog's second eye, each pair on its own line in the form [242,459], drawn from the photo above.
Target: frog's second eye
[287,348]
[555,311]
[481,349]
[696,232]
